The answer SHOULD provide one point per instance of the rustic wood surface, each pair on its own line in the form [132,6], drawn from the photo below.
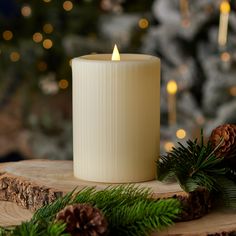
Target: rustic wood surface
[59,175]
[11,214]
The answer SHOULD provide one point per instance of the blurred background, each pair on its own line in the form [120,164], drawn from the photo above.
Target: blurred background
[195,40]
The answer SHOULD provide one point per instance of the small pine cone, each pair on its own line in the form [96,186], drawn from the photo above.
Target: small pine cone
[83,220]
[227,135]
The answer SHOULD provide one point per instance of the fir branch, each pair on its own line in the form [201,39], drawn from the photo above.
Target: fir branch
[193,166]
[112,197]
[56,229]
[128,220]
[131,211]
[228,192]
[128,209]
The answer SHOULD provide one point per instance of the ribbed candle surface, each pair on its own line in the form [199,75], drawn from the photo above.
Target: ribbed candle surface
[116,117]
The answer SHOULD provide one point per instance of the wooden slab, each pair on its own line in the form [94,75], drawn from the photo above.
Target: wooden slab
[59,175]
[218,223]
[11,214]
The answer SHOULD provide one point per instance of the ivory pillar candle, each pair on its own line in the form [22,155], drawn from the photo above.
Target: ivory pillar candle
[116,117]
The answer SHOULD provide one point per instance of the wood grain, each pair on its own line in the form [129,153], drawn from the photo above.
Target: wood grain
[219,222]
[11,214]
[59,175]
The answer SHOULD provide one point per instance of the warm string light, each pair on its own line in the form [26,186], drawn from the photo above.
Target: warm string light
[14,56]
[47,1]
[63,84]
[47,43]
[37,37]
[185,14]
[26,11]
[172,89]
[7,35]
[67,5]
[223,24]
[143,23]
[169,146]
[180,133]
[225,61]
[48,28]
[225,57]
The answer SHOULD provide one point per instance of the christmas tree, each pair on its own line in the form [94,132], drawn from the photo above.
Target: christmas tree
[39,39]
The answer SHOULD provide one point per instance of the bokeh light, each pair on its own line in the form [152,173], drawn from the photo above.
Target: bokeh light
[63,84]
[143,23]
[181,133]
[169,146]
[26,11]
[68,5]
[14,56]
[47,43]
[225,56]
[48,28]
[7,35]
[37,37]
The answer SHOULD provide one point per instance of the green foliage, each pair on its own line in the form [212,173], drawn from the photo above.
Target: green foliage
[228,192]
[40,228]
[128,220]
[192,166]
[196,166]
[128,209]
[56,229]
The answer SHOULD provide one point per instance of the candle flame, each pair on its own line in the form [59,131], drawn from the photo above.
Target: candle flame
[115,54]
[225,7]
[172,87]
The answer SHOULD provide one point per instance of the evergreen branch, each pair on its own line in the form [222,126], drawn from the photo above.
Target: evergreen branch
[112,197]
[228,191]
[56,229]
[128,220]
[128,209]
[193,166]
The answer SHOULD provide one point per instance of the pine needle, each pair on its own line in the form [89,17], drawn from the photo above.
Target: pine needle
[128,209]
[193,166]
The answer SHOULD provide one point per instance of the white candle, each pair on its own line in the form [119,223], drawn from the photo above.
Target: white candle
[172,90]
[116,117]
[223,25]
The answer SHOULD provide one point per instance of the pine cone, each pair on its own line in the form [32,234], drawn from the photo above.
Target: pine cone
[83,220]
[227,135]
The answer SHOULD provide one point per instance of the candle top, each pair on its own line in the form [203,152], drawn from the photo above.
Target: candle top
[123,58]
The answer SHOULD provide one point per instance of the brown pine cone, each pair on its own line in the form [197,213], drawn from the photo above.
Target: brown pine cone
[227,135]
[83,220]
